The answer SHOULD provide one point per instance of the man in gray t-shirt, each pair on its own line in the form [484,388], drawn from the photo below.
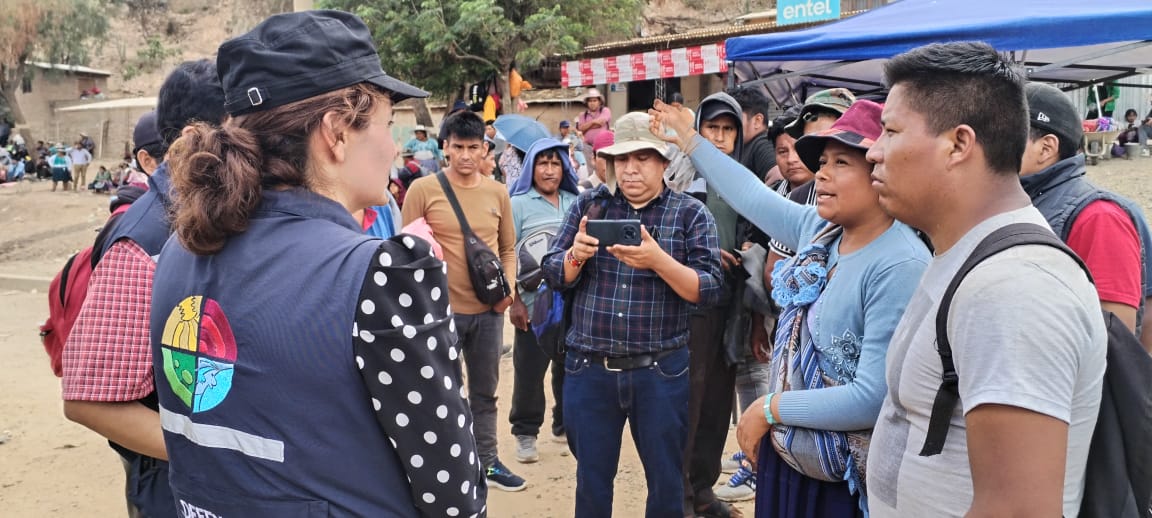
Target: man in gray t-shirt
[1025,326]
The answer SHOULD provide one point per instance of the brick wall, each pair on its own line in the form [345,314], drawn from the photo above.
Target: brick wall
[111,129]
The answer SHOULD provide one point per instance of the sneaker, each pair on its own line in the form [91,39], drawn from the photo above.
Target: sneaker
[732,464]
[741,486]
[1144,152]
[500,477]
[526,449]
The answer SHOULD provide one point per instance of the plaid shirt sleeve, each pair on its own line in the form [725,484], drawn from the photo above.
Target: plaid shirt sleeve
[108,354]
[702,245]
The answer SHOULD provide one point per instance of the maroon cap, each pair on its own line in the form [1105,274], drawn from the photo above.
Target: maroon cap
[859,127]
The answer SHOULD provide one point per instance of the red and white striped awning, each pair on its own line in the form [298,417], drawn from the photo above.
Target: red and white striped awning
[657,64]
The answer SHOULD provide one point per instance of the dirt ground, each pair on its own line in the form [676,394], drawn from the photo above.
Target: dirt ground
[52,467]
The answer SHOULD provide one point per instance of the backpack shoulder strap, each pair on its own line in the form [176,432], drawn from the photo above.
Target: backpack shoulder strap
[948,395]
[451,195]
[64,274]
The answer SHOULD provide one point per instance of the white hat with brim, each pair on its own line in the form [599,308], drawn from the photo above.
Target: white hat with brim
[632,134]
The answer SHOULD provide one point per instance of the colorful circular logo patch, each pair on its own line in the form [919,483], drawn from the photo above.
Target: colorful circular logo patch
[199,353]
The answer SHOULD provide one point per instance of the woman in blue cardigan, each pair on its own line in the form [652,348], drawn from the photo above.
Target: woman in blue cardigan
[841,298]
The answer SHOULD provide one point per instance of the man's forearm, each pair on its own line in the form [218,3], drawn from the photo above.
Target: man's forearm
[682,279]
[129,424]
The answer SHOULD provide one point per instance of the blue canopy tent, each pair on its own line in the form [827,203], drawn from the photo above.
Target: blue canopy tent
[1071,42]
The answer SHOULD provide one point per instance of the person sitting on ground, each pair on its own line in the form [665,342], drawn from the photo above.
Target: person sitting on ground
[102,184]
[841,295]
[1145,132]
[1130,132]
[17,169]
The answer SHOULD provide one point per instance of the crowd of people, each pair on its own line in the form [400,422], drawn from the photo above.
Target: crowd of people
[63,164]
[285,323]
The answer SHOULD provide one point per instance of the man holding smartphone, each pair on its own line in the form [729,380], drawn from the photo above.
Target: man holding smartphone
[627,345]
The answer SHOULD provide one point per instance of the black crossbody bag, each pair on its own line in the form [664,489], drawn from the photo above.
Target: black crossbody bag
[484,266]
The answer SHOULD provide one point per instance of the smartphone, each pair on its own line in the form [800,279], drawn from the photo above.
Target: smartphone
[615,231]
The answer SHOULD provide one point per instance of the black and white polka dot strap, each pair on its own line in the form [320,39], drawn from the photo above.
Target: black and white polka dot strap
[406,349]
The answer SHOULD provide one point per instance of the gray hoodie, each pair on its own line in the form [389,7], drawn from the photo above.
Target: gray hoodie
[727,221]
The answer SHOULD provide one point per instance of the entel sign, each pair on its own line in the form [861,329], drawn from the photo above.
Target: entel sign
[790,12]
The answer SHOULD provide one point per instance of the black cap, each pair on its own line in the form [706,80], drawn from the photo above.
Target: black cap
[294,56]
[146,132]
[712,109]
[1050,109]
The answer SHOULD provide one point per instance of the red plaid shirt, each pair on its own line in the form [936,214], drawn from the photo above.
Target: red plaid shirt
[108,355]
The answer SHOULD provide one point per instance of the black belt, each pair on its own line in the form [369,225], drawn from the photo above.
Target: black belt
[627,363]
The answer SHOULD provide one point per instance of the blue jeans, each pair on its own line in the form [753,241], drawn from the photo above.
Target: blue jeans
[480,339]
[654,401]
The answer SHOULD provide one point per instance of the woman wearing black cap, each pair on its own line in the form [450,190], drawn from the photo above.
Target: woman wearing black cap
[304,369]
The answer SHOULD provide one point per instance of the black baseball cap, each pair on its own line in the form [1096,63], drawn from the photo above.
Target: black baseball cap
[145,133]
[1050,109]
[293,56]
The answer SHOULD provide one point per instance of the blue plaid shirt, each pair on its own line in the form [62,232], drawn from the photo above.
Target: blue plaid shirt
[621,311]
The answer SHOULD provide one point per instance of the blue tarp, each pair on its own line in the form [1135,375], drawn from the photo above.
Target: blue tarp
[1072,41]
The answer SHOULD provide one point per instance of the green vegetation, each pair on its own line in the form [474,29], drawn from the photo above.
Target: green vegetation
[56,31]
[443,46]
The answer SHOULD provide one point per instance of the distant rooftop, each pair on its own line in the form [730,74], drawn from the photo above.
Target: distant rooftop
[75,69]
[702,36]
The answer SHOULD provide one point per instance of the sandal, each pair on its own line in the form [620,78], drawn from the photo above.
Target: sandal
[719,509]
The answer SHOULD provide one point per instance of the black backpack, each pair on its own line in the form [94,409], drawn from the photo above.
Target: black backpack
[1118,476]
[484,266]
